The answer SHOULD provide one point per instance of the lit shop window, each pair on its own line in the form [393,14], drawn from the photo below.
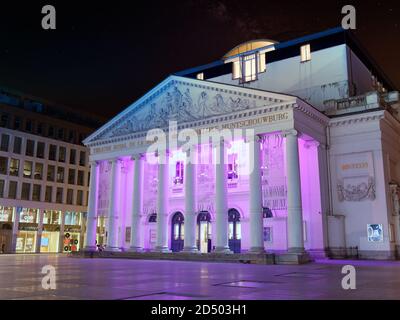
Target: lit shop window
[72,218]
[6,214]
[232,166]
[247,67]
[178,179]
[305,53]
[51,217]
[28,216]
[200,76]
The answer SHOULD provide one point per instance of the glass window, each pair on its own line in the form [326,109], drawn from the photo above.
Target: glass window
[3,165]
[38,171]
[39,128]
[50,172]
[305,53]
[249,68]
[70,196]
[61,154]
[28,125]
[17,145]
[232,166]
[4,120]
[82,158]
[60,174]
[60,134]
[51,217]
[52,152]
[79,198]
[28,169]
[5,142]
[59,195]
[71,176]
[178,179]
[28,216]
[81,180]
[72,156]
[49,194]
[40,150]
[12,189]
[17,123]
[51,132]
[14,167]
[200,76]
[2,183]
[30,147]
[26,189]
[36,192]
[72,218]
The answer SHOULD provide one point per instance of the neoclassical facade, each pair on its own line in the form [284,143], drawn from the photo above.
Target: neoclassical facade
[213,159]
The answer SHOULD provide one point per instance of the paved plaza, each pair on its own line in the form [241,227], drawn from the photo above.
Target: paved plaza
[122,279]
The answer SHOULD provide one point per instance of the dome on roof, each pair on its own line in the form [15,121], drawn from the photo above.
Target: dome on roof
[248,46]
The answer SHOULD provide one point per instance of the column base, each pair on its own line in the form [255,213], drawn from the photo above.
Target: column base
[224,250]
[112,249]
[135,249]
[257,250]
[296,250]
[162,250]
[89,249]
[190,250]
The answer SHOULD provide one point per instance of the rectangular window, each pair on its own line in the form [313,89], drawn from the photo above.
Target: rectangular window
[52,152]
[17,145]
[200,76]
[72,156]
[30,147]
[36,192]
[178,179]
[79,198]
[3,165]
[28,169]
[26,189]
[5,142]
[49,194]
[40,150]
[12,189]
[305,53]
[14,167]
[17,123]
[51,132]
[59,195]
[4,119]
[39,128]
[249,68]
[70,195]
[262,66]
[60,174]
[2,182]
[38,175]
[81,180]
[61,154]
[82,158]
[60,134]
[28,125]
[71,176]
[50,172]
[232,166]
[236,70]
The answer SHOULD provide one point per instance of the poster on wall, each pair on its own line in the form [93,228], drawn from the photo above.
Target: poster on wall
[267,234]
[355,177]
[375,232]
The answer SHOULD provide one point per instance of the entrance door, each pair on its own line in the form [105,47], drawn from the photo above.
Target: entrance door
[177,232]
[235,232]
[204,232]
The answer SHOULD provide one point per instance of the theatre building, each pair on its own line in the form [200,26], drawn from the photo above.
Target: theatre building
[316,171]
[44,175]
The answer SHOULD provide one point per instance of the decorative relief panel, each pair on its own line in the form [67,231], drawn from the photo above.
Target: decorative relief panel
[355,177]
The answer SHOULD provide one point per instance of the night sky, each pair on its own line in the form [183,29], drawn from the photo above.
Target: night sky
[102,57]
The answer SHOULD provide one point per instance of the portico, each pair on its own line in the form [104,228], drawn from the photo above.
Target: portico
[137,189]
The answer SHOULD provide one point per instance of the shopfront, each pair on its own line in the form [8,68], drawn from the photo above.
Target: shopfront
[72,232]
[6,220]
[27,230]
[51,231]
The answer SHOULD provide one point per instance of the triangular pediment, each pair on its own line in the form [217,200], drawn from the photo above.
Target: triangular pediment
[184,100]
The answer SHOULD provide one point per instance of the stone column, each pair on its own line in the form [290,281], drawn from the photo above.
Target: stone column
[91,224]
[190,201]
[162,202]
[255,197]
[294,208]
[137,203]
[221,199]
[40,231]
[113,214]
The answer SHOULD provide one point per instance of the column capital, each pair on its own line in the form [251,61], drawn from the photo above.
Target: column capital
[260,138]
[312,144]
[137,156]
[290,132]
[114,160]
[94,163]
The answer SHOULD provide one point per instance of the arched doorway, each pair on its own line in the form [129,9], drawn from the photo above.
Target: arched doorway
[235,231]
[177,234]
[204,232]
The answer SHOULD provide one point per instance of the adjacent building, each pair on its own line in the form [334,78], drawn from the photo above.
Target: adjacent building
[316,173]
[44,174]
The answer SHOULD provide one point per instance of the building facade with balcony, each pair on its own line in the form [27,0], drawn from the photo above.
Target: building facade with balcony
[288,147]
[44,175]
